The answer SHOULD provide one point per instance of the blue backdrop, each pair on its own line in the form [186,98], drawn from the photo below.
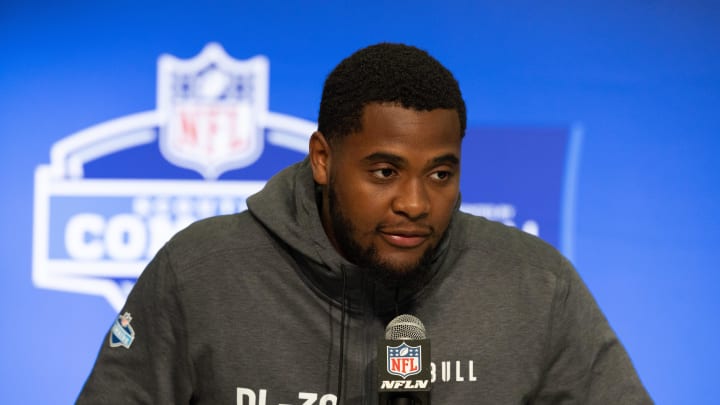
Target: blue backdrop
[627,92]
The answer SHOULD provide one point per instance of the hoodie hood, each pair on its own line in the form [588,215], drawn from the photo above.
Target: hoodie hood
[287,207]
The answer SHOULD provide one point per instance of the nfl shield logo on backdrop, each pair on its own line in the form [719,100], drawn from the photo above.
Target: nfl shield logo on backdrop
[404,360]
[213,110]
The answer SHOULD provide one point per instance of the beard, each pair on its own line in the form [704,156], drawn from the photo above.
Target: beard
[382,271]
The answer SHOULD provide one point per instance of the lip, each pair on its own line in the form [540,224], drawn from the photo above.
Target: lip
[405,239]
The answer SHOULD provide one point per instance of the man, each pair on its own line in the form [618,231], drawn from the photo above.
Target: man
[284,303]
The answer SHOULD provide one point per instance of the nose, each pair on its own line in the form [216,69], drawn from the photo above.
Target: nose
[412,199]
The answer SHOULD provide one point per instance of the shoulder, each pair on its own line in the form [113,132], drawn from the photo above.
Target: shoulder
[507,247]
[215,237]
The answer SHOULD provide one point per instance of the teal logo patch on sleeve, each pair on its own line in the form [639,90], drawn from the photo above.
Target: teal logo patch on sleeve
[121,333]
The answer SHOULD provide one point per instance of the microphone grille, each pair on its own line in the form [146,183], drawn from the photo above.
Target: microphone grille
[405,327]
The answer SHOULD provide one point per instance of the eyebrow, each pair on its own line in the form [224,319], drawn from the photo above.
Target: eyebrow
[385,157]
[399,161]
[449,158]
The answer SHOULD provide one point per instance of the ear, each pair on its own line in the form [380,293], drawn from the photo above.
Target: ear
[320,157]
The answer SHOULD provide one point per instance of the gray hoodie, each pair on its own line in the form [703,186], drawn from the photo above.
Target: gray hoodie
[257,308]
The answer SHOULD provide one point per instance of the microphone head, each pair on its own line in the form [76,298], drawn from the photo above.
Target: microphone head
[405,327]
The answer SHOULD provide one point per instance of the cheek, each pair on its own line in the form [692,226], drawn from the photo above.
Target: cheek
[364,208]
[443,207]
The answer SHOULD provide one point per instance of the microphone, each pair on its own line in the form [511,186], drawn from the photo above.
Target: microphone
[404,363]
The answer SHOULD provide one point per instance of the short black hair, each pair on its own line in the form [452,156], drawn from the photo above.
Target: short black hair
[386,73]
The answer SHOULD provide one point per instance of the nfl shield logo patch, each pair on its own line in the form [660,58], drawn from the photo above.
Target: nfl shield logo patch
[404,360]
[213,109]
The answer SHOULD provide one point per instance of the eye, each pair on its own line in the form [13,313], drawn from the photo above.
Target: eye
[441,175]
[383,173]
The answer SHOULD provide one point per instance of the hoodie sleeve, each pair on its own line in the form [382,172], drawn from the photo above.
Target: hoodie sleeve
[143,358]
[587,364]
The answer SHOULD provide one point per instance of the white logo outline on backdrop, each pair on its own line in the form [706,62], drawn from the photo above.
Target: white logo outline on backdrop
[64,176]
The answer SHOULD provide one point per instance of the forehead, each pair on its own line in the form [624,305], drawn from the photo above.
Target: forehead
[391,126]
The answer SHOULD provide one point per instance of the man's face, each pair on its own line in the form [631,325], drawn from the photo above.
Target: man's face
[391,188]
